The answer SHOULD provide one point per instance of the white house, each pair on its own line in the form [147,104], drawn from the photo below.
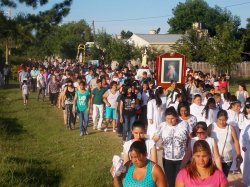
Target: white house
[157,41]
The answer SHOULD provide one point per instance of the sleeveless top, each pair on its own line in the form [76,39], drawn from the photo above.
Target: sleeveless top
[147,181]
[209,140]
[112,98]
[223,140]
[69,96]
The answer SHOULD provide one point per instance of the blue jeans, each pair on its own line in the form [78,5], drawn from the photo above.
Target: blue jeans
[127,126]
[83,120]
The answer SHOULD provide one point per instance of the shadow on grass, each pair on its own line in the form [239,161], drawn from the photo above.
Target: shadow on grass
[10,126]
[11,86]
[31,172]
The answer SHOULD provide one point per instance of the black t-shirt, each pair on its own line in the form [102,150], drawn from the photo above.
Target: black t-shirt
[127,104]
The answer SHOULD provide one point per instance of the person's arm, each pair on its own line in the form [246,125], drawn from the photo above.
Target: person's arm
[150,112]
[118,179]
[121,111]
[179,184]
[187,156]
[63,97]
[74,102]
[159,177]
[216,154]
[236,142]
[153,154]
[89,103]
[104,98]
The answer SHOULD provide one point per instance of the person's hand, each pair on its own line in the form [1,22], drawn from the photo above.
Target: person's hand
[151,121]
[239,160]
[244,149]
[74,109]
[121,119]
[108,104]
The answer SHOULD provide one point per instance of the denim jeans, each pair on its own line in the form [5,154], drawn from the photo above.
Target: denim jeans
[226,167]
[83,120]
[129,119]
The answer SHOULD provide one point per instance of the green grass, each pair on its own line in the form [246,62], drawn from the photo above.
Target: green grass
[37,150]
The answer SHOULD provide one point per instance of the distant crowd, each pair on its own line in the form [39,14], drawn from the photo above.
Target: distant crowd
[203,130]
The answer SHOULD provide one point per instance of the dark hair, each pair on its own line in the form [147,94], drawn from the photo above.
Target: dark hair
[138,124]
[197,95]
[183,105]
[210,101]
[82,83]
[247,106]
[234,101]
[171,111]
[199,125]
[112,83]
[98,81]
[139,147]
[158,96]
[227,96]
[222,113]
[201,145]
[243,85]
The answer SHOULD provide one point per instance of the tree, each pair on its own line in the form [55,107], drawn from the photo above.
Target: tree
[185,14]
[223,51]
[31,29]
[193,46]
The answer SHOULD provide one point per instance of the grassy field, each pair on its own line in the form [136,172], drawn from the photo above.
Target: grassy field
[36,149]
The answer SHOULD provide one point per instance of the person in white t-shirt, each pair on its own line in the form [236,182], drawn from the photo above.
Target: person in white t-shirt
[174,134]
[196,107]
[200,132]
[25,92]
[138,133]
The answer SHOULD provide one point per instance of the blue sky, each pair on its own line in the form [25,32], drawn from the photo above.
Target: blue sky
[155,12]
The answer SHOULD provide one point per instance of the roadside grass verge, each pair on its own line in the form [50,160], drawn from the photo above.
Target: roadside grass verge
[37,150]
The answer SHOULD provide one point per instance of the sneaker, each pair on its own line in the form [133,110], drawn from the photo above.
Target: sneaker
[81,134]
[106,129]
[86,133]
[99,129]
[114,130]
[94,128]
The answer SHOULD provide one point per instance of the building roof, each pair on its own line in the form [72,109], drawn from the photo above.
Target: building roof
[160,38]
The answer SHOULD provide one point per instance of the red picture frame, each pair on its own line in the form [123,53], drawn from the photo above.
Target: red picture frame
[171,66]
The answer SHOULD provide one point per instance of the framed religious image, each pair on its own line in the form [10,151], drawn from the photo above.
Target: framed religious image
[170,70]
[170,67]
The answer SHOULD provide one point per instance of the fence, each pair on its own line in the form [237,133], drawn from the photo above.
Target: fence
[238,70]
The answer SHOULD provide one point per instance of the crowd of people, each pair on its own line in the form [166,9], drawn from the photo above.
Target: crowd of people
[203,130]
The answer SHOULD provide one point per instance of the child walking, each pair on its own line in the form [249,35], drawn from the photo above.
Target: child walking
[25,92]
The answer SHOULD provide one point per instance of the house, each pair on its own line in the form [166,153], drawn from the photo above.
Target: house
[157,41]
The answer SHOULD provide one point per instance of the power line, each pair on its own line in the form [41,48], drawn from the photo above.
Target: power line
[155,17]
[237,4]
[134,19]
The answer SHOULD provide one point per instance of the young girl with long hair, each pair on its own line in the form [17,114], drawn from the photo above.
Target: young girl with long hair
[209,113]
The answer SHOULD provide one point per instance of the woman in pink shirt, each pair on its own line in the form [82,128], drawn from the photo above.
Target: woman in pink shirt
[223,82]
[201,171]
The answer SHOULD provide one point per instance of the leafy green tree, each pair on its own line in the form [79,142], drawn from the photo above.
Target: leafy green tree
[193,46]
[31,29]
[224,50]
[185,14]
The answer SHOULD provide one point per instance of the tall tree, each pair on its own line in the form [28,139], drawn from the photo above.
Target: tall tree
[224,50]
[185,14]
[31,29]
[192,45]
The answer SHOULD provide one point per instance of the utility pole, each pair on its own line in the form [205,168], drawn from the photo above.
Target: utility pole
[93,28]
[6,44]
